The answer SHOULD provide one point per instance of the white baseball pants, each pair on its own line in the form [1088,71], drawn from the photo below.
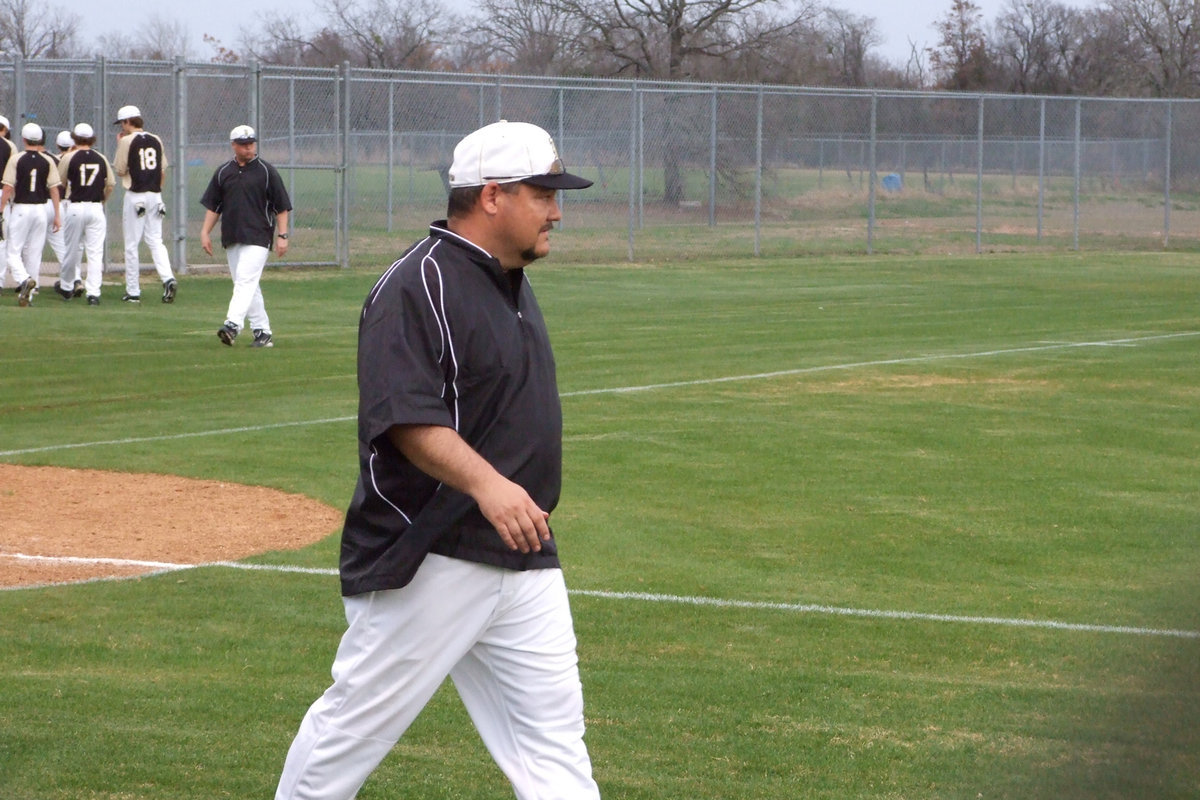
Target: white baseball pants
[507,642]
[142,218]
[246,264]
[84,229]
[26,238]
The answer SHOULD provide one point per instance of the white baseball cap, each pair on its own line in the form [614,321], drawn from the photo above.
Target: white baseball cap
[4,122]
[84,131]
[32,132]
[242,134]
[64,139]
[127,112]
[507,152]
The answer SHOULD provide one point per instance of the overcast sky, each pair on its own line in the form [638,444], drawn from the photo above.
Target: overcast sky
[899,21]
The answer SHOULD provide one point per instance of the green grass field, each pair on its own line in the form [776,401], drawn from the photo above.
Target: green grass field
[764,460]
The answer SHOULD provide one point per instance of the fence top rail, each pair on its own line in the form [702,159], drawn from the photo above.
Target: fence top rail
[120,66]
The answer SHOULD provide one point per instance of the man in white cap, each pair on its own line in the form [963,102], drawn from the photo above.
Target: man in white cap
[247,195]
[448,563]
[30,180]
[141,163]
[89,180]
[6,146]
[54,238]
[6,151]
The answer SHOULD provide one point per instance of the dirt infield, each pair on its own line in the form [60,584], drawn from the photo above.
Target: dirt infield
[52,512]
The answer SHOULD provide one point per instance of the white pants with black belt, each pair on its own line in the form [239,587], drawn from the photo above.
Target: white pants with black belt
[142,218]
[26,238]
[84,230]
[246,264]
[507,642]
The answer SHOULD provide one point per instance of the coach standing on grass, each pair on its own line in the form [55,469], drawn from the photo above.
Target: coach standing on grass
[448,564]
[248,196]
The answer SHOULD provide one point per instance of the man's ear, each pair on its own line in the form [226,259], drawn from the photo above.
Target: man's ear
[489,196]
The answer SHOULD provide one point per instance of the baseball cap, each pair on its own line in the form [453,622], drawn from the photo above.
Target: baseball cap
[64,139]
[506,152]
[242,134]
[127,112]
[32,132]
[5,123]
[84,131]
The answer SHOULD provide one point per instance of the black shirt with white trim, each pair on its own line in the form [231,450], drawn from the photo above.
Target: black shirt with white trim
[248,197]
[447,337]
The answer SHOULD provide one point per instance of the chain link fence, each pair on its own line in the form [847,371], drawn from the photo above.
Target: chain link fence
[681,170]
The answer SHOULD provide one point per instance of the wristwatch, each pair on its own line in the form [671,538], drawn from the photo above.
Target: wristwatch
[283,235]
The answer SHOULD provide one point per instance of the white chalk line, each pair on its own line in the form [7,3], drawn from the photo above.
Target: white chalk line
[162,567]
[630,389]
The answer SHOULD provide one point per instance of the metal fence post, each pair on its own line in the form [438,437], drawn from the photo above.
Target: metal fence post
[18,96]
[255,96]
[712,159]
[559,137]
[391,152]
[1041,201]
[871,169]
[758,173]
[1078,169]
[633,148]
[979,181]
[343,212]
[181,167]
[1167,179]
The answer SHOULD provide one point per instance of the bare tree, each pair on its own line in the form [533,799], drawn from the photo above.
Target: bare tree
[389,34]
[1027,48]
[916,69]
[1166,35]
[282,41]
[961,57]
[379,34]
[160,38]
[531,37]
[849,38]
[676,40]
[667,39]
[31,29]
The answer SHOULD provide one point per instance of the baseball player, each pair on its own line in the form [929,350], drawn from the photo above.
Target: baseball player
[54,238]
[6,152]
[141,163]
[248,196]
[89,180]
[30,179]
[448,564]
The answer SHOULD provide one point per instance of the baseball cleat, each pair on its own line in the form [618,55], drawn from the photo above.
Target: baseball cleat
[65,294]
[170,286]
[93,300]
[262,338]
[77,289]
[227,333]
[25,292]
[131,298]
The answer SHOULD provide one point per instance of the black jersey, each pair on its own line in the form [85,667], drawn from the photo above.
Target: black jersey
[86,173]
[147,158]
[31,174]
[248,197]
[447,337]
[6,152]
